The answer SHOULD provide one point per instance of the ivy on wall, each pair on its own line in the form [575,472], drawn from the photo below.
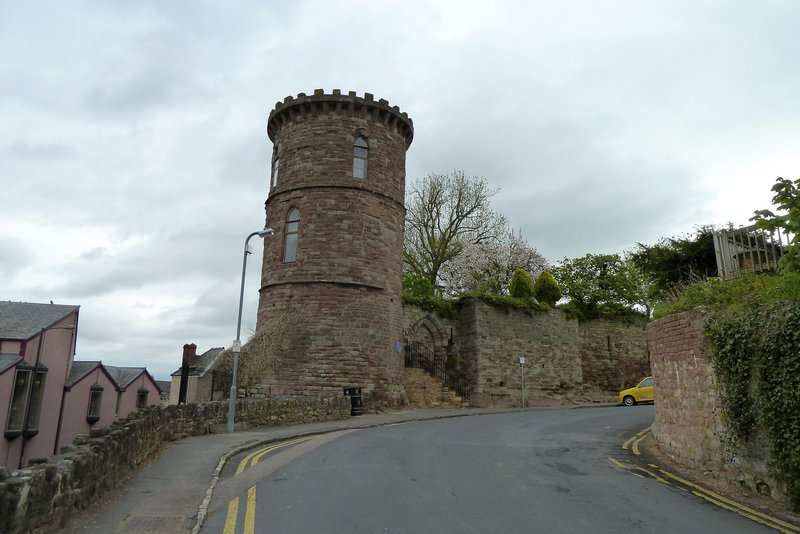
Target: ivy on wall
[756,358]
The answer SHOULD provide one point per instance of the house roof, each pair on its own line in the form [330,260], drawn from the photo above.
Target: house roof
[123,376]
[23,320]
[8,360]
[204,362]
[80,370]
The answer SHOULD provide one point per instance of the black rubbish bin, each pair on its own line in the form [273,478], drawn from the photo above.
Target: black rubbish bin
[356,406]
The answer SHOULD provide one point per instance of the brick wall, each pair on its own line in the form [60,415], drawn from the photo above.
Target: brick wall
[44,495]
[688,425]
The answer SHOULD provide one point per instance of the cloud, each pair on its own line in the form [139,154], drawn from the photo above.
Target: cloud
[135,155]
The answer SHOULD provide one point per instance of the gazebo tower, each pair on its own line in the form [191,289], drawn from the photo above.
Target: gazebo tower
[334,265]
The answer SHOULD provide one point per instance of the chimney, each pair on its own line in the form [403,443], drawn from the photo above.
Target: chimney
[190,354]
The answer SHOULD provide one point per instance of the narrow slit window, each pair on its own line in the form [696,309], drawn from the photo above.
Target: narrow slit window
[360,152]
[37,394]
[292,227]
[275,165]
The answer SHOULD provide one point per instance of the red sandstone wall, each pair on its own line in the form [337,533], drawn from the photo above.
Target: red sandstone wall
[564,358]
[614,354]
[547,341]
[687,426]
[688,406]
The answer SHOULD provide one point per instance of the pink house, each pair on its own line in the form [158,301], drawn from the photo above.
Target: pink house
[96,395]
[46,399]
[89,401]
[37,344]
[136,388]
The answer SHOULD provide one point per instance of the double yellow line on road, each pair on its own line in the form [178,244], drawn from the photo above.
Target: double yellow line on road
[635,440]
[672,479]
[250,511]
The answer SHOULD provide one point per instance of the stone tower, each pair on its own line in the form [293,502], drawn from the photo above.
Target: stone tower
[334,265]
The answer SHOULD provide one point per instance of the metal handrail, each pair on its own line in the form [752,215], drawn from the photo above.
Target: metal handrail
[421,357]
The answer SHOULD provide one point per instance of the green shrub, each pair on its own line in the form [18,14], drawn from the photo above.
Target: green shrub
[606,310]
[739,293]
[546,289]
[505,303]
[521,286]
[416,286]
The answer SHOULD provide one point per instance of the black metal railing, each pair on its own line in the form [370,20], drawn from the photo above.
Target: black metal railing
[421,357]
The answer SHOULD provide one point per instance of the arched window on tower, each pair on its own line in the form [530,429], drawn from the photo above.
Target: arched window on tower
[360,151]
[292,225]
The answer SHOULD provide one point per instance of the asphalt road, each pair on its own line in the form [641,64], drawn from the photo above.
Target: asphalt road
[529,471]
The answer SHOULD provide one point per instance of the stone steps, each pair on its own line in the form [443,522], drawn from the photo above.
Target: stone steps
[424,391]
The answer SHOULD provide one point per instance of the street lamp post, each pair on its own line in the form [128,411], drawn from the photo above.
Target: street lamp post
[237,344]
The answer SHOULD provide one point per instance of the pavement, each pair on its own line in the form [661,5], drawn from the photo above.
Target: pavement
[170,494]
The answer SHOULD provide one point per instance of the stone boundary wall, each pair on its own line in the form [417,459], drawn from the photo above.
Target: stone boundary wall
[565,359]
[688,425]
[43,496]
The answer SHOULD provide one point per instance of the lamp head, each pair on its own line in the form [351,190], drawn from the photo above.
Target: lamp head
[266,232]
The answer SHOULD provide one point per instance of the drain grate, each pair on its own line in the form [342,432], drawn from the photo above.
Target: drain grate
[151,523]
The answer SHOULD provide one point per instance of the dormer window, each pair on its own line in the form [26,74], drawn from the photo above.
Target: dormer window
[360,151]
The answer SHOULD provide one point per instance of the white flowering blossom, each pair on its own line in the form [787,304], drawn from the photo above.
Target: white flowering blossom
[489,265]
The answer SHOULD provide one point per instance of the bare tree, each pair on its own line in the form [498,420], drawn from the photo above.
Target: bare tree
[445,210]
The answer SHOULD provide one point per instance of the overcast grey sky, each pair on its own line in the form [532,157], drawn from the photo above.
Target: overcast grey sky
[134,157]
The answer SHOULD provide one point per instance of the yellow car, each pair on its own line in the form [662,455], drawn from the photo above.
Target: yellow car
[643,392]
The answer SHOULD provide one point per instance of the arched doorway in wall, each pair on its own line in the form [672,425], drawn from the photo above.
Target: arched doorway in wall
[428,332]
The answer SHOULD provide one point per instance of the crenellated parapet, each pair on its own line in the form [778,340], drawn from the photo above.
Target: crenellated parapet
[337,103]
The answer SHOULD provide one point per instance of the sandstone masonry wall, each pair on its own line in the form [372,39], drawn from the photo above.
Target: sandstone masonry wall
[614,354]
[564,359]
[44,495]
[547,341]
[688,425]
